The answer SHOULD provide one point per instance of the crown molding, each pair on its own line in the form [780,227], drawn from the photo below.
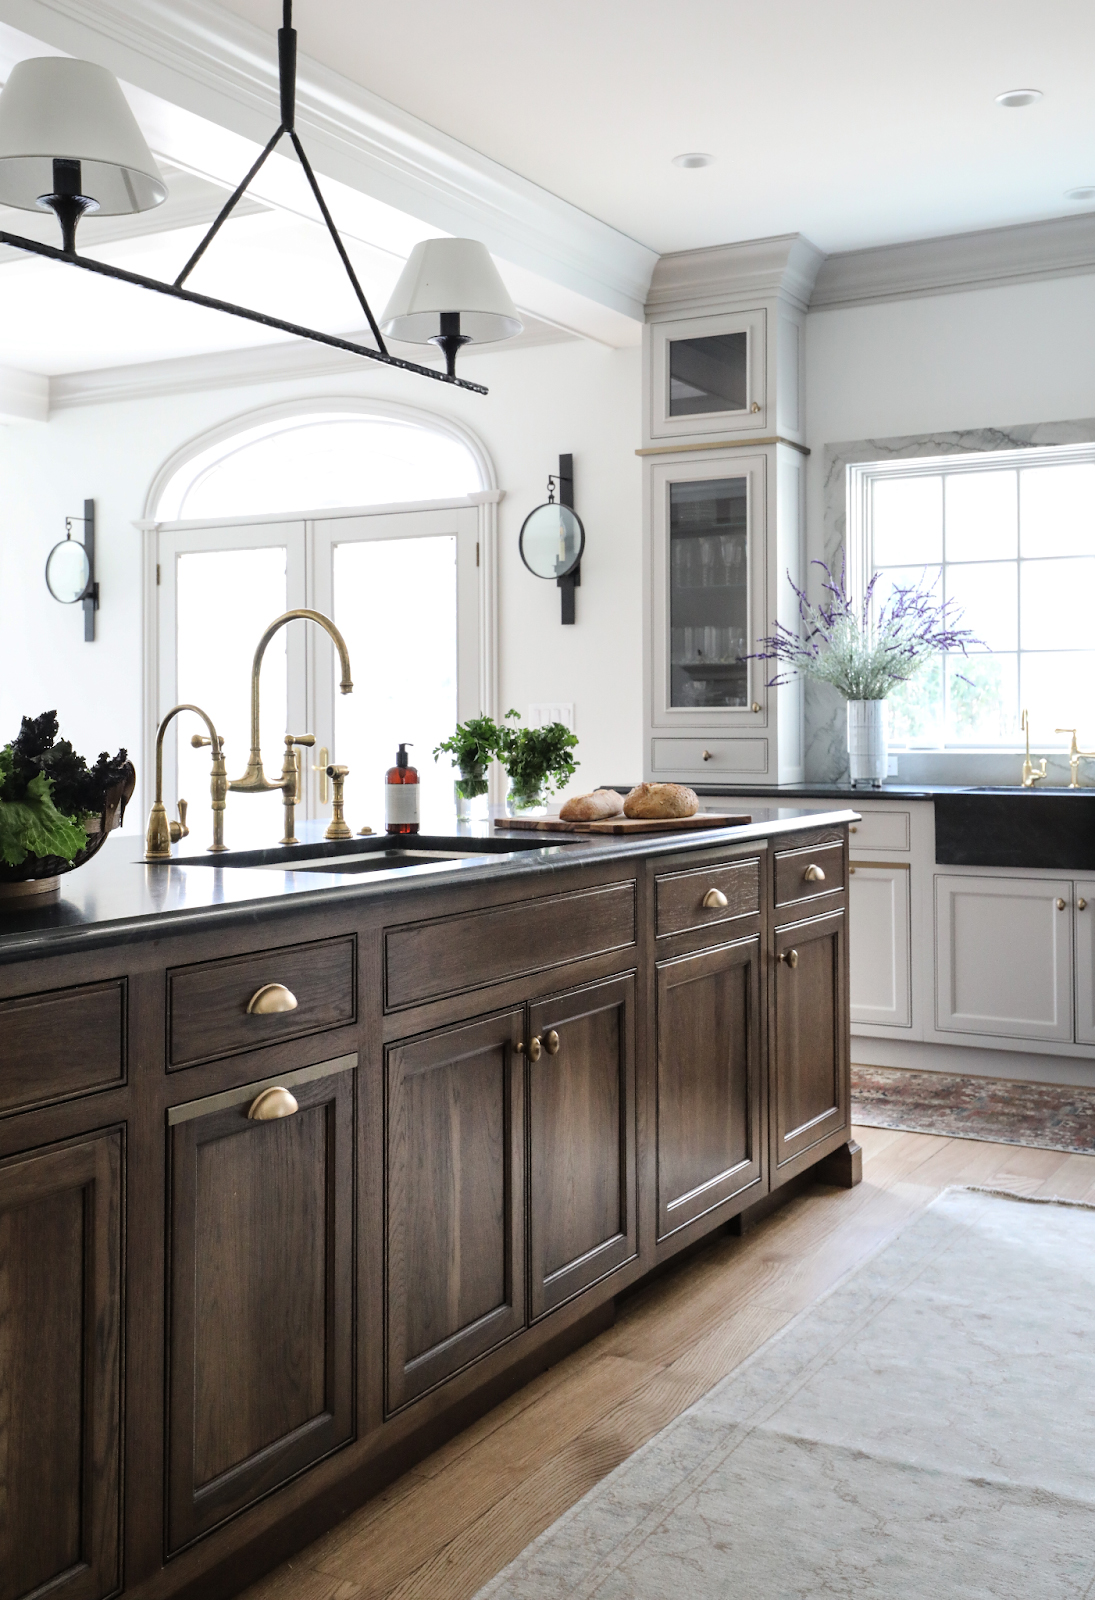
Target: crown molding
[716,276]
[219,67]
[1059,247]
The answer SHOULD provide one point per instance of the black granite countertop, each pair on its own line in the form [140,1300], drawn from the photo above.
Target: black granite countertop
[117,897]
[889,791]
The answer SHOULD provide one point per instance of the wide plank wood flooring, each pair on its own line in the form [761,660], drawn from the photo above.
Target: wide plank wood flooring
[454,1521]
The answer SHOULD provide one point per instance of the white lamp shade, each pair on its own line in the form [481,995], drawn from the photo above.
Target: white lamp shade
[450,275]
[55,107]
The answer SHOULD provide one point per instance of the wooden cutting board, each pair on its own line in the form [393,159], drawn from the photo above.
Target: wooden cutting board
[702,819]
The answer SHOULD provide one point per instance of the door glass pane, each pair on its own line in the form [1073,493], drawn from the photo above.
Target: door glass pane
[708,374]
[708,593]
[395,604]
[224,601]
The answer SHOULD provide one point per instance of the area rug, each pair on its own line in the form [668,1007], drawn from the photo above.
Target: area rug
[1046,1116]
[924,1431]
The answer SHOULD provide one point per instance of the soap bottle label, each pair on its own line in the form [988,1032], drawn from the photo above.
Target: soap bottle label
[400,803]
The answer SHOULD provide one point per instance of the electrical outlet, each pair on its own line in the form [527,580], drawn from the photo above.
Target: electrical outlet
[545,711]
[891,767]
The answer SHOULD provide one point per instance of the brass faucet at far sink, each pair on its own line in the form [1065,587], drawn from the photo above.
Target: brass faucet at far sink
[1075,756]
[1031,774]
[162,834]
[254,780]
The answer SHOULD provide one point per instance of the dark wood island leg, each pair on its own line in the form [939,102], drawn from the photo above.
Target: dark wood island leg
[844,1167]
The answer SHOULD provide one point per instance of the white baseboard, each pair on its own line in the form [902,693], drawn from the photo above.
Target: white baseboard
[1021,1065]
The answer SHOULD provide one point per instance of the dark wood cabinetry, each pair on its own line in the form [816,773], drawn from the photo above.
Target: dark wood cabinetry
[60,1370]
[710,1141]
[261,1284]
[809,1096]
[455,1200]
[581,1118]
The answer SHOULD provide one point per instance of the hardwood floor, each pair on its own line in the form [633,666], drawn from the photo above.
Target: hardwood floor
[446,1527]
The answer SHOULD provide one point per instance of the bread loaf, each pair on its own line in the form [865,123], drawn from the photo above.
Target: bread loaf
[661,800]
[593,807]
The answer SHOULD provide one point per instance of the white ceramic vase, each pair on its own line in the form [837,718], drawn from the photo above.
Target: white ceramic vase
[867,742]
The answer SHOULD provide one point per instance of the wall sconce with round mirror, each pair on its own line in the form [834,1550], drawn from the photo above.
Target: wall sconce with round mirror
[552,538]
[70,569]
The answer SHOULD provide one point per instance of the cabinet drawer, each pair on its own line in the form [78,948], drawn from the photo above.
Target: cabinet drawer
[882,830]
[62,1043]
[679,896]
[207,1004]
[712,757]
[453,954]
[793,885]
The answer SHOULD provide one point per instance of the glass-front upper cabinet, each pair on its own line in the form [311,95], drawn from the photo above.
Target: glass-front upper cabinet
[707,376]
[708,589]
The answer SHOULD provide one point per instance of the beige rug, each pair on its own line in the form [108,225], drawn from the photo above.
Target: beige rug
[925,1432]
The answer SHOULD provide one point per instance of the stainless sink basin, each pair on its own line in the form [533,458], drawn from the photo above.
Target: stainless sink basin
[380,853]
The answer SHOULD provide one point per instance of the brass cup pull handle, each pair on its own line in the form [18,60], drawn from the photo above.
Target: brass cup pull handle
[714,899]
[272,1104]
[1061,905]
[271,999]
[532,1050]
[1081,905]
[551,1042]
[814,873]
[790,956]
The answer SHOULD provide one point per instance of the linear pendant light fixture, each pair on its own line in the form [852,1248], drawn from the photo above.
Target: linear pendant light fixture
[69,143]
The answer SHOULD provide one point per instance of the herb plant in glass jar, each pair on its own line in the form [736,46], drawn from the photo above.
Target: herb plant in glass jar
[537,760]
[472,747]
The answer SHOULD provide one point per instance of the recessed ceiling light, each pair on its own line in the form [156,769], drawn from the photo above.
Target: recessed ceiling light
[693,158]
[1019,97]
[1086,191]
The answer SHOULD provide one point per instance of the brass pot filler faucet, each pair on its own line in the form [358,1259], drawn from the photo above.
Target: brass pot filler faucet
[162,834]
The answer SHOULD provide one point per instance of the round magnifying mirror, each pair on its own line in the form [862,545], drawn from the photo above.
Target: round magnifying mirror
[552,540]
[68,572]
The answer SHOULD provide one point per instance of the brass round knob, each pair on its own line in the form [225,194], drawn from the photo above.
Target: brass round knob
[707,756]
[790,957]
[1081,905]
[532,1049]
[814,873]
[551,1042]
[755,707]
[271,1104]
[853,828]
[1060,905]
[714,899]
[270,999]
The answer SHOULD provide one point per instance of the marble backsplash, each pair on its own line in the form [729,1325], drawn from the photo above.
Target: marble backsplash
[826,754]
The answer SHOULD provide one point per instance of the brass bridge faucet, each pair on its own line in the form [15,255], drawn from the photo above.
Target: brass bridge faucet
[1075,756]
[1031,774]
[162,834]
[254,780]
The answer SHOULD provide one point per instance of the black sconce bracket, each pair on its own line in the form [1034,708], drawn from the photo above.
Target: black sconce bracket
[573,578]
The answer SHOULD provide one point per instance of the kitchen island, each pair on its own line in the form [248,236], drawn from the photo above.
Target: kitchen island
[302,1169]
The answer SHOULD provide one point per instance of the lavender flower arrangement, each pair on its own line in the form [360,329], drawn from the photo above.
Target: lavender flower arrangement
[864,657]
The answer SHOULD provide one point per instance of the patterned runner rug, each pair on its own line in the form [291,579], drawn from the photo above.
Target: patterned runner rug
[922,1431]
[1047,1116]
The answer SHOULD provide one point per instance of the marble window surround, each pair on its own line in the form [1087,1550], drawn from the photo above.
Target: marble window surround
[825,714]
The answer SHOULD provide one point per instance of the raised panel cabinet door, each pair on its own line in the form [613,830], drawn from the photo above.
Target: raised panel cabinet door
[581,1121]
[709,1125]
[261,1292]
[879,945]
[810,1086]
[60,1370]
[1084,937]
[455,1218]
[1003,956]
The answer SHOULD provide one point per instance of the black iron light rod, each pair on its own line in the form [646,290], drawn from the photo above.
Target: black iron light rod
[226,211]
[337,238]
[105,270]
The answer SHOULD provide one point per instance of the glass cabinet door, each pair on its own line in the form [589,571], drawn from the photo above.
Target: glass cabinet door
[707,375]
[709,593]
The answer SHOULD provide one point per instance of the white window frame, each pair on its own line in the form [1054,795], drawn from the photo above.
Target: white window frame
[861,477]
[157,679]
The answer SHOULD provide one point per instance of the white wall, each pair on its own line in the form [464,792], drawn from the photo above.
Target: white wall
[544,400]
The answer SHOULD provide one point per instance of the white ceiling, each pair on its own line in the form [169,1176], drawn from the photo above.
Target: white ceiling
[855,122]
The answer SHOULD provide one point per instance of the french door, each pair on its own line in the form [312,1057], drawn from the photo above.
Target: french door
[403,589]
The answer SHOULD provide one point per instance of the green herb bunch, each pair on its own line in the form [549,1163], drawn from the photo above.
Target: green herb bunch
[472,747]
[537,758]
[46,791]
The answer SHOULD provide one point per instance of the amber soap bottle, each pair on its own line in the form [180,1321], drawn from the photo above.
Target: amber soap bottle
[401,795]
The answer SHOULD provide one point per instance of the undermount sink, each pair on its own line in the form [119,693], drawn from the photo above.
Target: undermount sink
[380,853]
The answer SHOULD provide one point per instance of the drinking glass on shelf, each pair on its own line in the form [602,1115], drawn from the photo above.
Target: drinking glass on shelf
[707,561]
[711,644]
